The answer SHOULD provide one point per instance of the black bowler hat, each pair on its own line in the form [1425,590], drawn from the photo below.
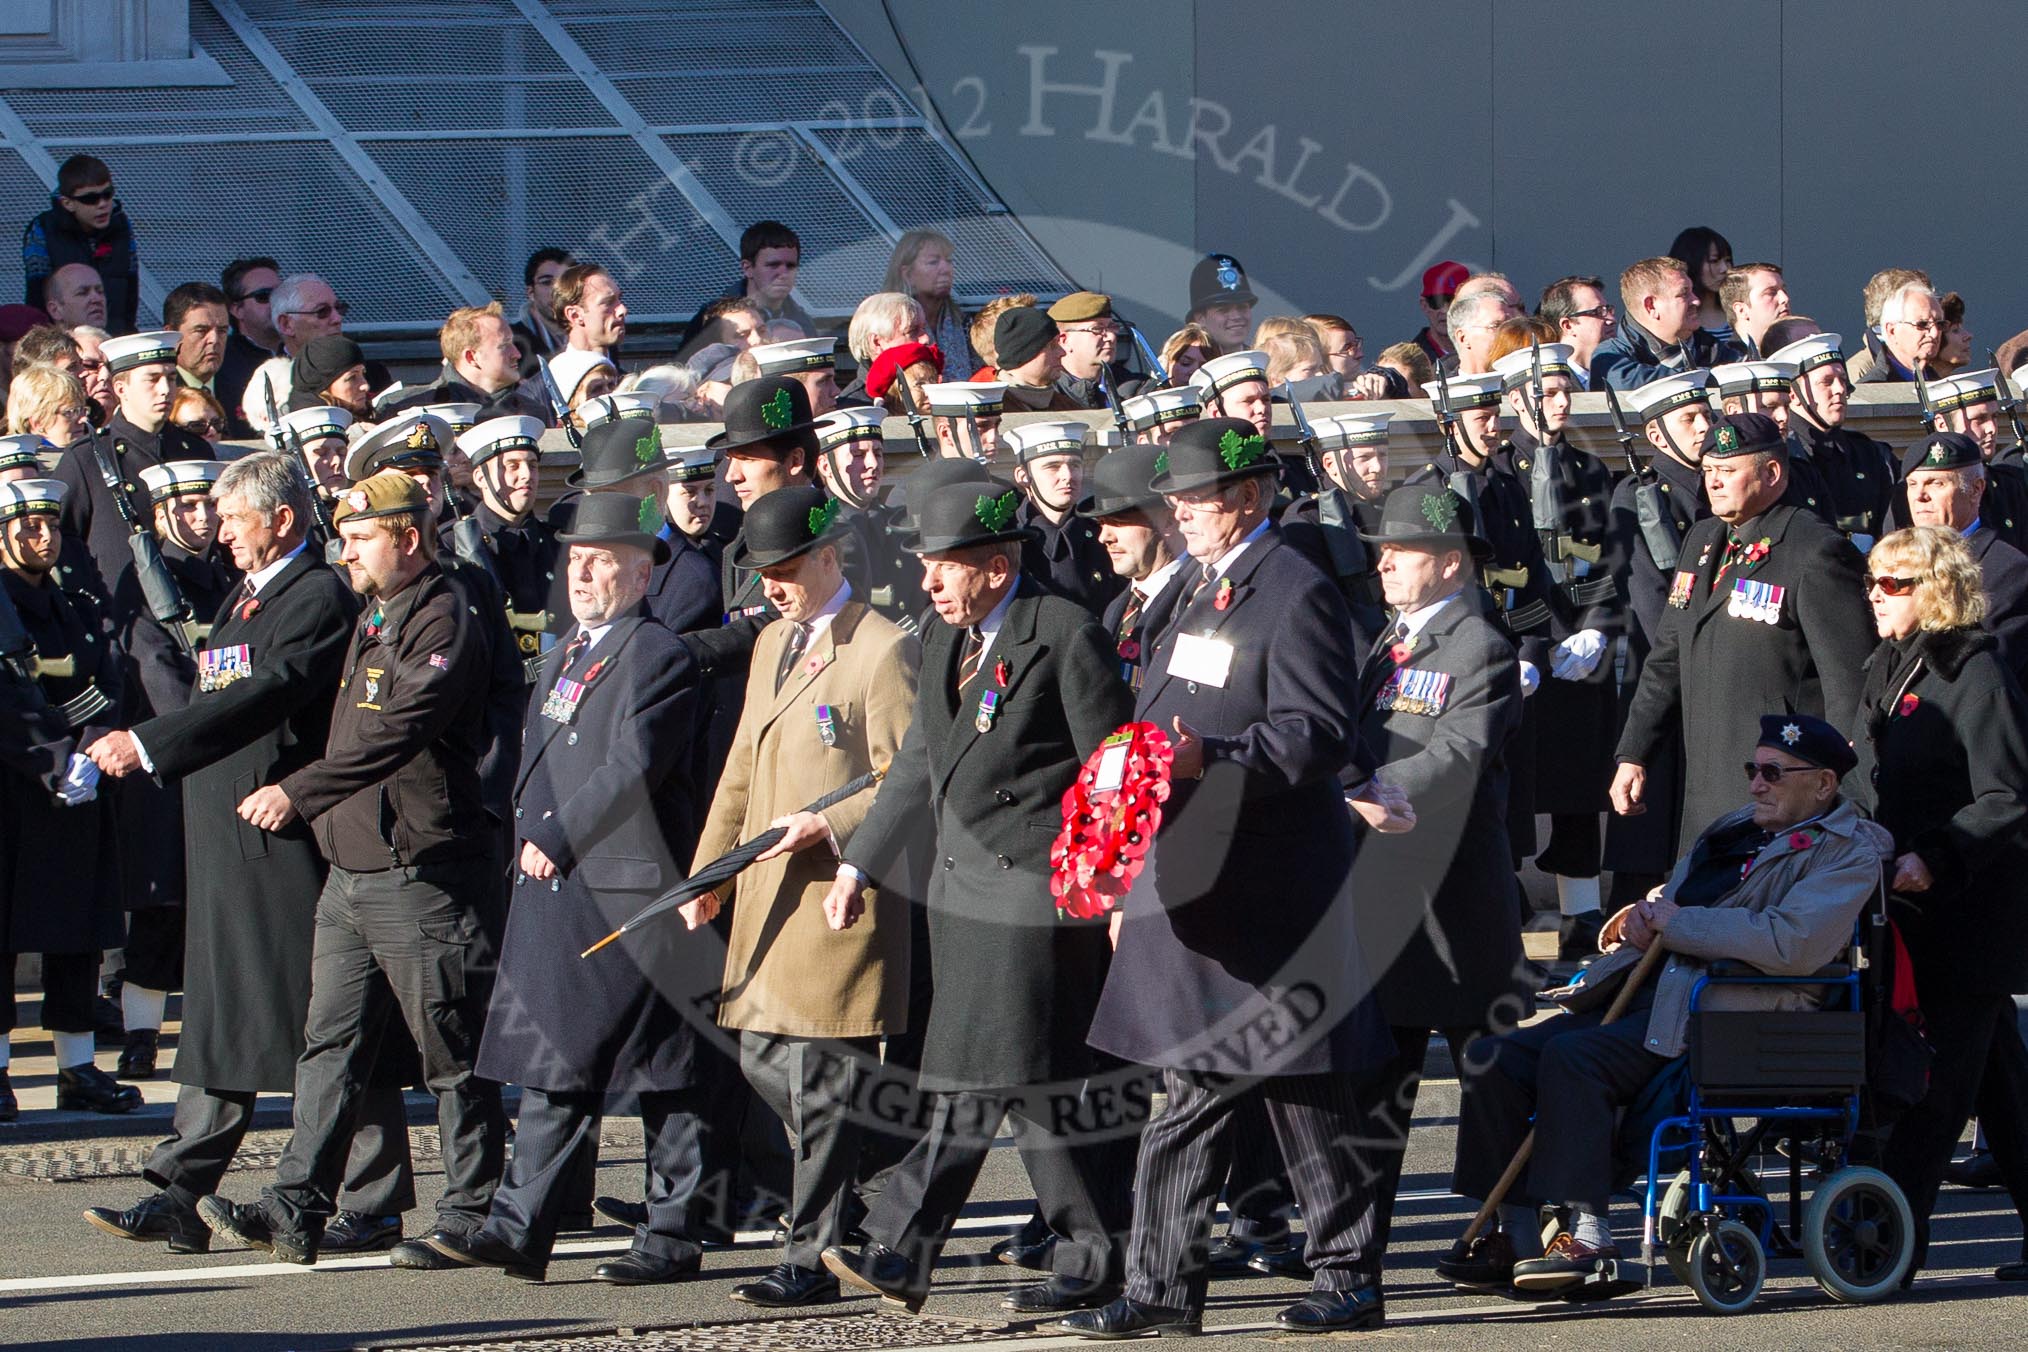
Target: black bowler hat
[1431,516]
[1808,739]
[1218,279]
[617,452]
[1119,481]
[770,414]
[1942,450]
[613,519]
[1212,451]
[1741,434]
[960,515]
[928,478]
[785,524]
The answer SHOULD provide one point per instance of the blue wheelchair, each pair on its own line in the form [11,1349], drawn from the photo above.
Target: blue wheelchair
[1793,1082]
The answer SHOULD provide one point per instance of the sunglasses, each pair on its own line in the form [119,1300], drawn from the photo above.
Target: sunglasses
[1773,773]
[1437,302]
[260,294]
[1893,586]
[202,425]
[1595,312]
[323,311]
[93,198]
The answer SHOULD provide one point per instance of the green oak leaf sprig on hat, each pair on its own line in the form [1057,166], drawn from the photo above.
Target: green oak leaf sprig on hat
[648,449]
[825,517]
[650,516]
[1238,452]
[1440,509]
[996,514]
[778,412]
[1162,463]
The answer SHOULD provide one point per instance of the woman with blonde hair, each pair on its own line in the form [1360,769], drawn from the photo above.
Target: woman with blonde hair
[923,267]
[50,403]
[1292,347]
[1185,350]
[1943,764]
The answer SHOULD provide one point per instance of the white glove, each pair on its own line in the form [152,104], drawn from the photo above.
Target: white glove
[1530,678]
[1578,656]
[80,781]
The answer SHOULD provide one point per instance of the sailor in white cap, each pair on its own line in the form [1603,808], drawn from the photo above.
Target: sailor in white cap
[1154,417]
[506,465]
[1970,403]
[21,456]
[1328,524]
[1846,477]
[1236,386]
[684,593]
[811,361]
[316,437]
[966,415]
[1570,498]
[64,897]
[581,376]
[851,464]
[643,404]
[1062,555]
[1755,387]
[143,369]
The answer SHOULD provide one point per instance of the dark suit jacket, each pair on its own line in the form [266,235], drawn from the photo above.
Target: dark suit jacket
[1439,907]
[606,797]
[1238,953]
[2004,570]
[1025,982]
[1719,672]
[1132,642]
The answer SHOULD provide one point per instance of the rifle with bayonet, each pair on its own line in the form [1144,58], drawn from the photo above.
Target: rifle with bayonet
[1447,422]
[1651,511]
[1350,558]
[1922,399]
[158,585]
[916,421]
[1113,402]
[558,403]
[290,442]
[1158,375]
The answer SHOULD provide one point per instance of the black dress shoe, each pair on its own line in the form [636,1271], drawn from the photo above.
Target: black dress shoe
[1227,1257]
[1486,1264]
[643,1269]
[1035,1255]
[1279,1260]
[880,1271]
[155,1217]
[789,1285]
[1977,1170]
[250,1224]
[629,1214]
[1126,1318]
[1060,1295]
[480,1249]
[10,1106]
[137,1058]
[357,1232]
[88,1089]
[1335,1312]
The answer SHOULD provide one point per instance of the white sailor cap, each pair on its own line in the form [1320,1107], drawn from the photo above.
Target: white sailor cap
[1161,407]
[412,441]
[1480,391]
[1352,429]
[497,436]
[687,464]
[24,497]
[315,424]
[1753,377]
[1034,440]
[966,398]
[459,416]
[1811,352]
[1517,368]
[129,350]
[1657,397]
[572,365]
[797,354]
[632,404]
[174,478]
[849,424]
[1220,374]
[1105,438]
[1964,390]
[23,451]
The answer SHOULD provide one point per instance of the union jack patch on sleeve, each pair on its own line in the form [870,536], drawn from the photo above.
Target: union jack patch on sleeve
[440,661]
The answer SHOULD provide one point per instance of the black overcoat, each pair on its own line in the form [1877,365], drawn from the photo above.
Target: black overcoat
[2003,570]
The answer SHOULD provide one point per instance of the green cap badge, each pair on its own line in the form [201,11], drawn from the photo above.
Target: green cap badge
[823,518]
[649,448]
[778,410]
[996,514]
[1162,463]
[1239,452]
[650,516]
[1441,510]
[1727,440]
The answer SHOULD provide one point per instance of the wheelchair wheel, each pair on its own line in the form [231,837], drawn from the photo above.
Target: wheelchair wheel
[1858,1235]
[1672,1211]
[1725,1267]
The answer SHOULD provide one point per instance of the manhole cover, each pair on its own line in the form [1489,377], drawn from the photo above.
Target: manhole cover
[823,1333]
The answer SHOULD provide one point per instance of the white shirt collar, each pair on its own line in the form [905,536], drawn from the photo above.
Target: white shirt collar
[1231,556]
[1419,620]
[821,621]
[1151,586]
[989,628]
[260,577]
[594,633]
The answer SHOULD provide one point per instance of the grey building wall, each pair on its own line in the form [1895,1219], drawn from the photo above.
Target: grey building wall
[1340,147]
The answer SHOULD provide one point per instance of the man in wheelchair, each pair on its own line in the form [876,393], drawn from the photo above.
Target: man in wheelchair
[1778,885]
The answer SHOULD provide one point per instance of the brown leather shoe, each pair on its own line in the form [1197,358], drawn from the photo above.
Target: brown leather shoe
[1566,1263]
[1486,1264]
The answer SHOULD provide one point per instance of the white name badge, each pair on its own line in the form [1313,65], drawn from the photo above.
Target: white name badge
[1207,661]
[1112,768]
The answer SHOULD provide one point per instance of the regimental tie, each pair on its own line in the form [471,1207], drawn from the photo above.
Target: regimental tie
[972,658]
[243,607]
[1131,614]
[572,651]
[799,639]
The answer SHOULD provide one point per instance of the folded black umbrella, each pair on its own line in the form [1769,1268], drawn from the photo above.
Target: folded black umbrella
[729,865]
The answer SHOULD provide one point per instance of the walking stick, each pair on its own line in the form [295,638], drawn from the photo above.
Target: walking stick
[1635,980]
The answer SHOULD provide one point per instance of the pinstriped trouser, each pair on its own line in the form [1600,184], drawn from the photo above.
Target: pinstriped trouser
[1184,1156]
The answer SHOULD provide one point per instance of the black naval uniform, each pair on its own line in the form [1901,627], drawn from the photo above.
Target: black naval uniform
[1728,650]
[2005,507]
[89,513]
[892,575]
[1325,527]
[1641,850]
[683,593]
[1066,559]
[59,866]
[527,556]
[2003,571]
[1573,720]
[1846,478]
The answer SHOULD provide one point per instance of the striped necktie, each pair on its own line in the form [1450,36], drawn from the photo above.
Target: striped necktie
[974,656]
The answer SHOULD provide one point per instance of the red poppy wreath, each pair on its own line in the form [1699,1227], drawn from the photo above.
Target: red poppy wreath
[1110,816]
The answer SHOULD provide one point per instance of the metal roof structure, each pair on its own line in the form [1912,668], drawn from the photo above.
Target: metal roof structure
[415,152]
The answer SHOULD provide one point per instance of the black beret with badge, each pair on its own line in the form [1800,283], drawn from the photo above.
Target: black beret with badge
[1942,450]
[1808,739]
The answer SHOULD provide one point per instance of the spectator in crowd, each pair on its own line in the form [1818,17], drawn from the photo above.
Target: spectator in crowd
[1091,339]
[46,345]
[196,412]
[537,331]
[589,307]
[1911,335]
[884,319]
[197,311]
[1294,354]
[75,294]
[1440,283]
[770,254]
[1956,353]
[733,321]
[1345,355]
[1031,358]
[981,332]
[248,284]
[1754,297]
[1475,316]
[1221,301]
[924,267]
[85,224]
[1409,362]
[1706,256]
[303,307]
[483,366]
[1184,351]
[1658,332]
[331,370]
[50,403]
[1873,299]
[1583,317]
[93,371]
